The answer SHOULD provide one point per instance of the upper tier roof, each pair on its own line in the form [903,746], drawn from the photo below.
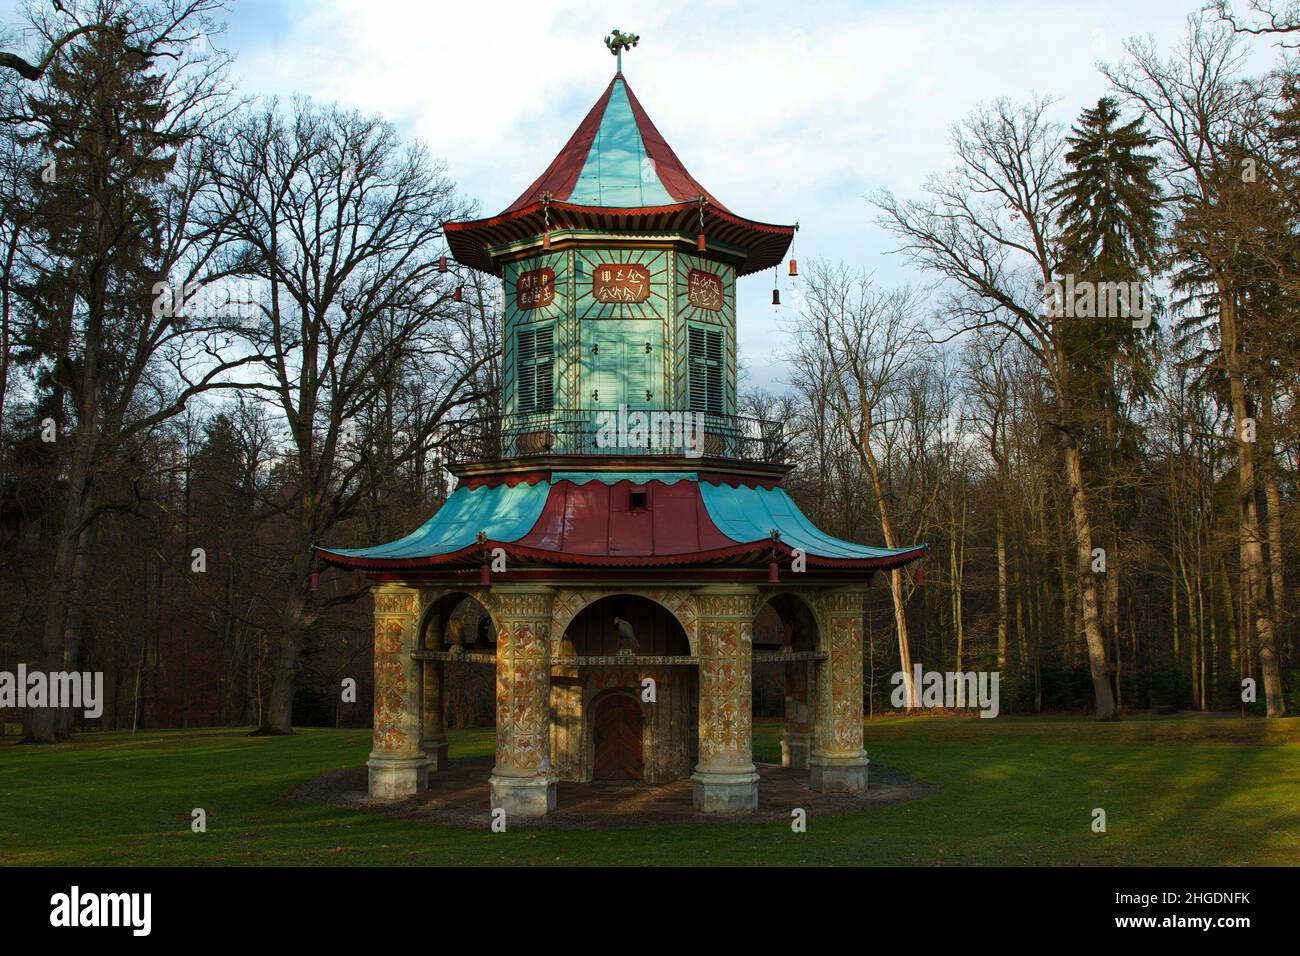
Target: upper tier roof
[616,158]
[618,174]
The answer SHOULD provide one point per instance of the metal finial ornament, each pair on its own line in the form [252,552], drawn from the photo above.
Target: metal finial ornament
[618,41]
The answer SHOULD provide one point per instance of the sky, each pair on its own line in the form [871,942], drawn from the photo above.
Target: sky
[791,111]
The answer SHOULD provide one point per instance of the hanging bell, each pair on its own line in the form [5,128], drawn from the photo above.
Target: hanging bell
[315,580]
[442,263]
[773,572]
[794,267]
[484,574]
[776,296]
[459,294]
[919,577]
[356,581]
[701,243]
[546,239]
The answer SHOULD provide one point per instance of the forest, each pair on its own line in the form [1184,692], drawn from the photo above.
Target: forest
[227,333]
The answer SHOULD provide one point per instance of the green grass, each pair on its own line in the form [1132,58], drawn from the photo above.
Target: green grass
[1012,791]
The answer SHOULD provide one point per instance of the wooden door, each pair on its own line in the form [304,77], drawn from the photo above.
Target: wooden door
[618,738]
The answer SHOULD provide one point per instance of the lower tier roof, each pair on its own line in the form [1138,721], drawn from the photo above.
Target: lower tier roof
[592,518]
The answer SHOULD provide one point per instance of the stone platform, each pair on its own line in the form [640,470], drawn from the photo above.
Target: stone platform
[458,796]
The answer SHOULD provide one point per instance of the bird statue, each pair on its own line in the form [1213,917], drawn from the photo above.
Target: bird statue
[626,636]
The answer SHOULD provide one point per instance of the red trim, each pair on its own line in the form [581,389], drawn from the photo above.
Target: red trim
[510,480]
[757,549]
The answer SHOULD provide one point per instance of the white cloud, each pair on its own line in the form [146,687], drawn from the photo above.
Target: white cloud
[786,111]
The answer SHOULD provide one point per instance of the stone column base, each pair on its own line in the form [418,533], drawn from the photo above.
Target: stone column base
[836,774]
[394,776]
[523,796]
[724,792]
[796,749]
[436,751]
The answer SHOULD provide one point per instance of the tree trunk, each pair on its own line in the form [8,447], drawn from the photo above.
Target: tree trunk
[1087,582]
[1251,540]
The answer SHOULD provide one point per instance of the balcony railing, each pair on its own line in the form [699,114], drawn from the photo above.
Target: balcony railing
[638,431]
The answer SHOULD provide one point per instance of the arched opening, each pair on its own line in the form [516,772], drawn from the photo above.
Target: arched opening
[787,690]
[595,630]
[626,707]
[455,694]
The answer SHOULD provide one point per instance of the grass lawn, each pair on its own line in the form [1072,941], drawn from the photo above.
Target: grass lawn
[1177,790]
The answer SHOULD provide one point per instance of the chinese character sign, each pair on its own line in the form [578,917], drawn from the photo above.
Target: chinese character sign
[704,290]
[620,283]
[535,289]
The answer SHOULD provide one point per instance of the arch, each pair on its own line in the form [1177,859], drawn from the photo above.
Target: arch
[439,608]
[798,611]
[680,603]
[591,632]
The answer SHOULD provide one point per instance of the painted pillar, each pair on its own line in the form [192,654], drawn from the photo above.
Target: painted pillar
[398,767]
[725,780]
[522,782]
[839,762]
[797,741]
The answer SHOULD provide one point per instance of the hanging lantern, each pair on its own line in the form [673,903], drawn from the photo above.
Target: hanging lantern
[776,296]
[458,295]
[919,578]
[442,263]
[773,572]
[701,243]
[794,267]
[484,574]
[546,239]
[315,580]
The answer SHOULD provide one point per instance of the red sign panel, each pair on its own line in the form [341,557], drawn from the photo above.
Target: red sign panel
[704,290]
[535,288]
[621,282]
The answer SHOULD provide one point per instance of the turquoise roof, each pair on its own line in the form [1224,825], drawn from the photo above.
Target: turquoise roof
[752,514]
[503,513]
[618,170]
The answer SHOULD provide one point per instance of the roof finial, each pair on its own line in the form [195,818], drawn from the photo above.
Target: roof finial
[619,41]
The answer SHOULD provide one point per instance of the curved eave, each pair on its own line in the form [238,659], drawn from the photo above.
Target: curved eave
[764,244]
[758,551]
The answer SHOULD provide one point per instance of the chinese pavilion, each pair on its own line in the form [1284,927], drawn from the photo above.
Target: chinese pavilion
[620,525]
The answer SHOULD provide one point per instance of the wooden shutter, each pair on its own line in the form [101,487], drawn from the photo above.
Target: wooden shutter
[705,361]
[535,369]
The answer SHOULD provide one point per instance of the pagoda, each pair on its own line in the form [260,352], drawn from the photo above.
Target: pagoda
[619,523]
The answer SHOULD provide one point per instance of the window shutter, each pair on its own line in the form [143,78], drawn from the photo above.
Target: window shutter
[705,360]
[535,369]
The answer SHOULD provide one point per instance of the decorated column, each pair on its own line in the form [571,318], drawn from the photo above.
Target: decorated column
[839,763]
[522,782]
[398,767]
[433,735]
[725,780]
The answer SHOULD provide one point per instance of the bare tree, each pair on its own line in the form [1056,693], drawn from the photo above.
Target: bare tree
[1201,111]
[366,350]
[989,228]
[854,343]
